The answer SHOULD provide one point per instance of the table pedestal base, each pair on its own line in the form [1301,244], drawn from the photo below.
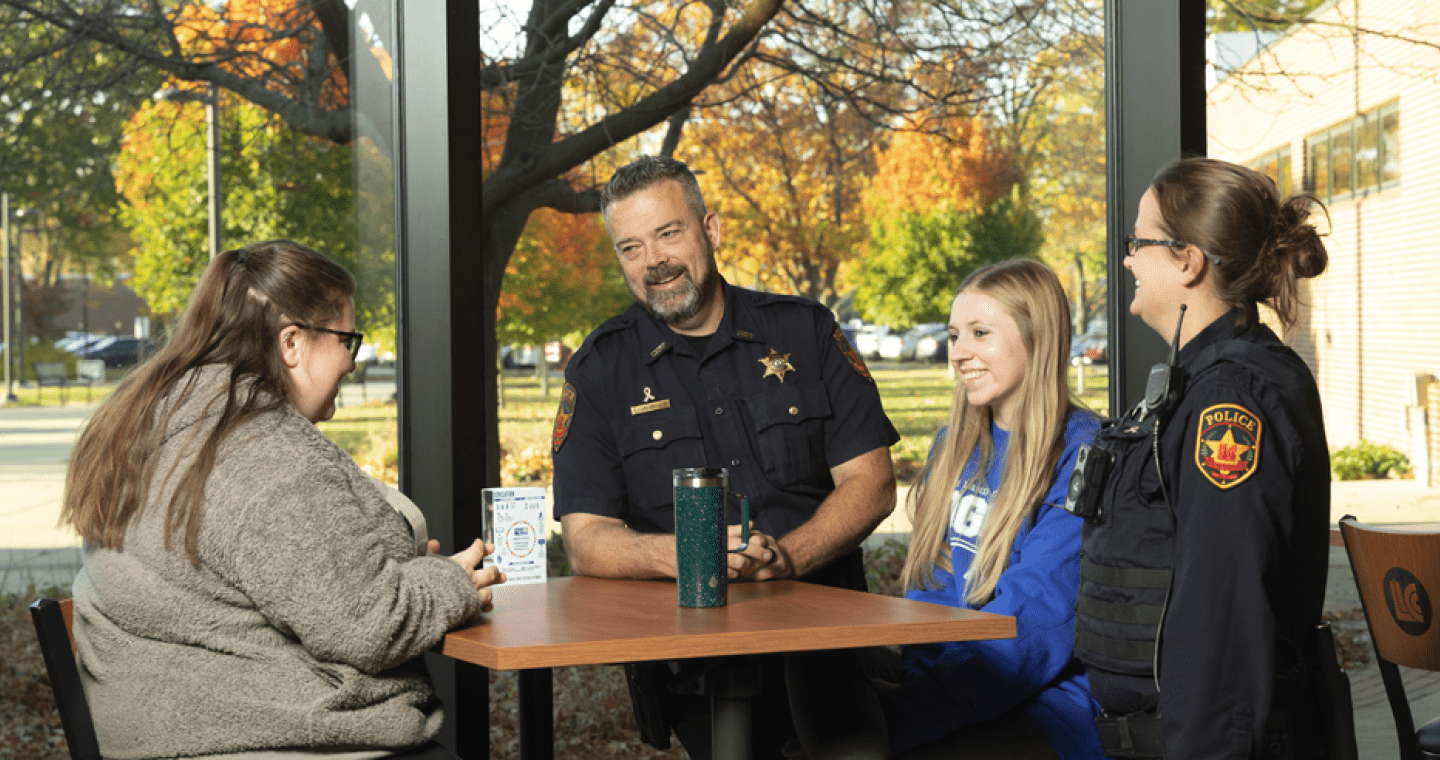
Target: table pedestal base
[537,727]
[730,688]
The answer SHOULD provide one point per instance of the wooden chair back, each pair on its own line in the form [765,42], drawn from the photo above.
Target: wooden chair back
[1398,575]
[54,626]
[1396,572]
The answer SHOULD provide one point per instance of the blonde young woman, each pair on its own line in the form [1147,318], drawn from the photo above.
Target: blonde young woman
[990,534]
[248,592]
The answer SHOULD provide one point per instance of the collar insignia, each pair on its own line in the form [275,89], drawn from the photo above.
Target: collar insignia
[776,364]
[656,351]
[745,334]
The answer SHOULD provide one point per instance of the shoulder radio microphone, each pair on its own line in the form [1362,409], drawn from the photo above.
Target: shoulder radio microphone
[1093,460]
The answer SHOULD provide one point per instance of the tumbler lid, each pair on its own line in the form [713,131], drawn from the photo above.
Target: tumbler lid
[701,477]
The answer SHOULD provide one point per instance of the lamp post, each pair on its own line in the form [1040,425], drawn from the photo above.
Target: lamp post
[211,99]
[5,254]
[13,326]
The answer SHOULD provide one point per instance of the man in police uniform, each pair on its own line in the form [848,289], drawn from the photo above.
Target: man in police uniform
[700,373]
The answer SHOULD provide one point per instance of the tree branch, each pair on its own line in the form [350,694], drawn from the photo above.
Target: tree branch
[512,178]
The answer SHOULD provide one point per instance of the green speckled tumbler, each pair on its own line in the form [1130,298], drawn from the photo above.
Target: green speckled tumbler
[700,564]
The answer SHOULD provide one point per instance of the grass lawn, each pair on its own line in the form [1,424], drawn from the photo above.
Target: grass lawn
[35,396]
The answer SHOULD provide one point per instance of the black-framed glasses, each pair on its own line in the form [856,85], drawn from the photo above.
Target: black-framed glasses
[1134,244]
[352,340]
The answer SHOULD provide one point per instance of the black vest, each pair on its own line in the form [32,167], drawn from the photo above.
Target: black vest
[1128,553]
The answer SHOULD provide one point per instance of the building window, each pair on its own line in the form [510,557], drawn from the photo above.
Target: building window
[1276,166]
[1359,156]
[1389,158]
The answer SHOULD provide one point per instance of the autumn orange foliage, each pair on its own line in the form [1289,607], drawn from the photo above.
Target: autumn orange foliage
[964,170]
[557,247]
[269,40]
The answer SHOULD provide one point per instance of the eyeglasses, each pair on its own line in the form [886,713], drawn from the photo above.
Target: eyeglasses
[1134,244]
[352,340]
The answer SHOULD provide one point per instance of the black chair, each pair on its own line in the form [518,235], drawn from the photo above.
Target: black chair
[1395,572]
[52,625]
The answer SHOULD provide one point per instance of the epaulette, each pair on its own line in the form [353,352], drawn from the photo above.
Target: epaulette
[616,324]
[772,299]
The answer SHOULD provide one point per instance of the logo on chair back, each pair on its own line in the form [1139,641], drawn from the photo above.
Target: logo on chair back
[1408,602]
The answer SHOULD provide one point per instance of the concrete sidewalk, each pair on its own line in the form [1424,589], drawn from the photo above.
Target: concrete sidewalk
[35,445]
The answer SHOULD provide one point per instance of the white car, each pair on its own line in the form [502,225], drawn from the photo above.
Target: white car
[867,340]
[890,346]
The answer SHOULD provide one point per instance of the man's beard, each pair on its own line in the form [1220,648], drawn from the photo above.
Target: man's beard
[682,303]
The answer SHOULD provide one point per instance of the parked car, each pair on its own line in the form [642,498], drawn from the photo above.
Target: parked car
[526,357]
[90,344]
[902,347]
[1090,348]
[124,351]
[519,357]
[74,340]
[867,340]
[934,346]
[557,354]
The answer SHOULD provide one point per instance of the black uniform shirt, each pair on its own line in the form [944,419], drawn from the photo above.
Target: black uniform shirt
[1246,469]
[778,398]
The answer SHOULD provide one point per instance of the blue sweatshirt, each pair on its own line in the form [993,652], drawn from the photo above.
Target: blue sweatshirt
[950,685]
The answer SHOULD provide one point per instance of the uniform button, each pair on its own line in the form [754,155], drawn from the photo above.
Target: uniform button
[734,462]
[794,411]
[657,435]
[719,410]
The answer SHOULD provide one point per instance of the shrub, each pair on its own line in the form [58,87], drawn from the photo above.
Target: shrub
[883,565]
[1365,461]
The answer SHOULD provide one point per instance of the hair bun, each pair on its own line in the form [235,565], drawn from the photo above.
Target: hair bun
[1297,239]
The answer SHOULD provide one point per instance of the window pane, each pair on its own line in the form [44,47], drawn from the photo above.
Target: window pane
[1269,167]
[1318,172]
[1341,150]
[1367,153]
[1282,177]
[1390,145]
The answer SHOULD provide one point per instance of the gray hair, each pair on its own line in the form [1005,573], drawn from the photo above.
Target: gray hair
[646,171]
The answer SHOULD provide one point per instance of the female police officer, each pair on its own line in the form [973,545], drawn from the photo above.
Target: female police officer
[1203,573]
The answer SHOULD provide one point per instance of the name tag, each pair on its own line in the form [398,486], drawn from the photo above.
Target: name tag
[650,407]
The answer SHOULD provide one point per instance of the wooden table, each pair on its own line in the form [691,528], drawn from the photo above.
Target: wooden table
[592,621]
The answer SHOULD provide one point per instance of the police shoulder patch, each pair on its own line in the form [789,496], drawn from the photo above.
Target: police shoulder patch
[564,416]
[852,355]
[1227,444]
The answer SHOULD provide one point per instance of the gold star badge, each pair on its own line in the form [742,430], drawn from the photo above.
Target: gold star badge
[776,364]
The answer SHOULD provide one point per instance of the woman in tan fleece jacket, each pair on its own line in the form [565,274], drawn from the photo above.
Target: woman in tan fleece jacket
[248,591]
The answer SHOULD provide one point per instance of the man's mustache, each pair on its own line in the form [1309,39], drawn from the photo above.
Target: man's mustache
[662,272]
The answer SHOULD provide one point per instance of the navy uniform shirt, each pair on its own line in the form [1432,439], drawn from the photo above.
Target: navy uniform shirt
[778,397]
[1246,472]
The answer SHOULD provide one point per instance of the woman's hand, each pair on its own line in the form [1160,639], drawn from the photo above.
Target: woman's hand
[479,578]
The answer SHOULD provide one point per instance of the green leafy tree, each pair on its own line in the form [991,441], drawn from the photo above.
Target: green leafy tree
[563,281]
[278,184]
[916,264]
[1064,154]
[57,147]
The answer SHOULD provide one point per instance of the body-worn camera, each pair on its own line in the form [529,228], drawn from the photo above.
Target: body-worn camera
[1087,481]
